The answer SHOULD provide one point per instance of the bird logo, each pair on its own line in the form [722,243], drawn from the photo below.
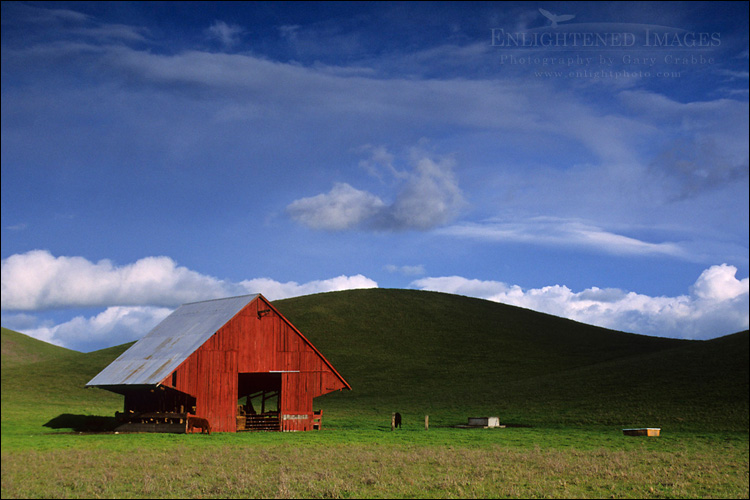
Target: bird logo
[554,18]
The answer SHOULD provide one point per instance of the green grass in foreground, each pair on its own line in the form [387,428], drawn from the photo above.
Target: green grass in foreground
[378,463]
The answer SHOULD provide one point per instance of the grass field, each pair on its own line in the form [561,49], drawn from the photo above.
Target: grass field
[565,389]
[517,462]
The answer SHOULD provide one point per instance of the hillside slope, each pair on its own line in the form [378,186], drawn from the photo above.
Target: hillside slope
[41,381]
[19,349]
[451,357]
[455,356]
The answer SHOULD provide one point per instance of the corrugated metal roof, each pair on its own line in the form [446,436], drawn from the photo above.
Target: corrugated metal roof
[161,351]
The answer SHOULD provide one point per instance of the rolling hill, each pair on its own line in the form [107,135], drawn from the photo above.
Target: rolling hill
[450,357]
[20,349]
[455,356]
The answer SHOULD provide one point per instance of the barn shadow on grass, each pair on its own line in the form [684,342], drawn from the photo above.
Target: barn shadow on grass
[83,423]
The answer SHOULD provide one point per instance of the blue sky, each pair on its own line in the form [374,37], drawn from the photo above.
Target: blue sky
[594,167]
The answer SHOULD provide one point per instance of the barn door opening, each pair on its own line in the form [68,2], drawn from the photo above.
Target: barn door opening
[258,400]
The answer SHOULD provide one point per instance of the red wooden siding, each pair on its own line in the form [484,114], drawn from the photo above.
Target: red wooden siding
[257,340]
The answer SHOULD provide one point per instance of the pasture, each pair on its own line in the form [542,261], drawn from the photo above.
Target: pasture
[565,390]
[358,460]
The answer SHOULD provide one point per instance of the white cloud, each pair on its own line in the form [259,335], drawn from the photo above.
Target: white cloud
[343,207]
[428,196]
[113,326]
[131,294]
[274,290]
[718,284]
[716,305]
[116,32]
[380,160]
[33,14]
[37,280]
[556,231]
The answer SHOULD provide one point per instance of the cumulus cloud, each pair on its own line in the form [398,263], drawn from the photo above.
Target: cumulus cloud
[343,207]
[716,305]
[718,284]
[428,196]
[135,296]
[557,231]
[113,326]
[37,280]
[274,290]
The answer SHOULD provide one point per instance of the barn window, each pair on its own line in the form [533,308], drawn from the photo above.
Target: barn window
[174,378]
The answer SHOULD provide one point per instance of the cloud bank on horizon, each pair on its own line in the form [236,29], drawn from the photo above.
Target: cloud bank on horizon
[138,296]
[157,156]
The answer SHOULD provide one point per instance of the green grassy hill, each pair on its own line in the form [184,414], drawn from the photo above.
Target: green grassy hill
[453,357]
[41,381]
[18,349]
[450,357]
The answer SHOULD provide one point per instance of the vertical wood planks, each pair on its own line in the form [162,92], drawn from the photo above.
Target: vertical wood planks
[258,339]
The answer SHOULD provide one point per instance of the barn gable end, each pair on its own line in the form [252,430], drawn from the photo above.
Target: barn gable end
[208,355]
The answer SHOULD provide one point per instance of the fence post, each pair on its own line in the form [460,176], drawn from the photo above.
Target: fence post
[393,420]
[426,422]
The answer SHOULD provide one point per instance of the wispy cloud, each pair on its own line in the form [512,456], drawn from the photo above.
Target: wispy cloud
[70,22]
[555,231]
[32,14]
[536,109]
[704,144]
[114,32]
[228,35]
[405,270]
[717,304]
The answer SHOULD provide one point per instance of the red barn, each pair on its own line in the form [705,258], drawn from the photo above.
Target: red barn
[237,362]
